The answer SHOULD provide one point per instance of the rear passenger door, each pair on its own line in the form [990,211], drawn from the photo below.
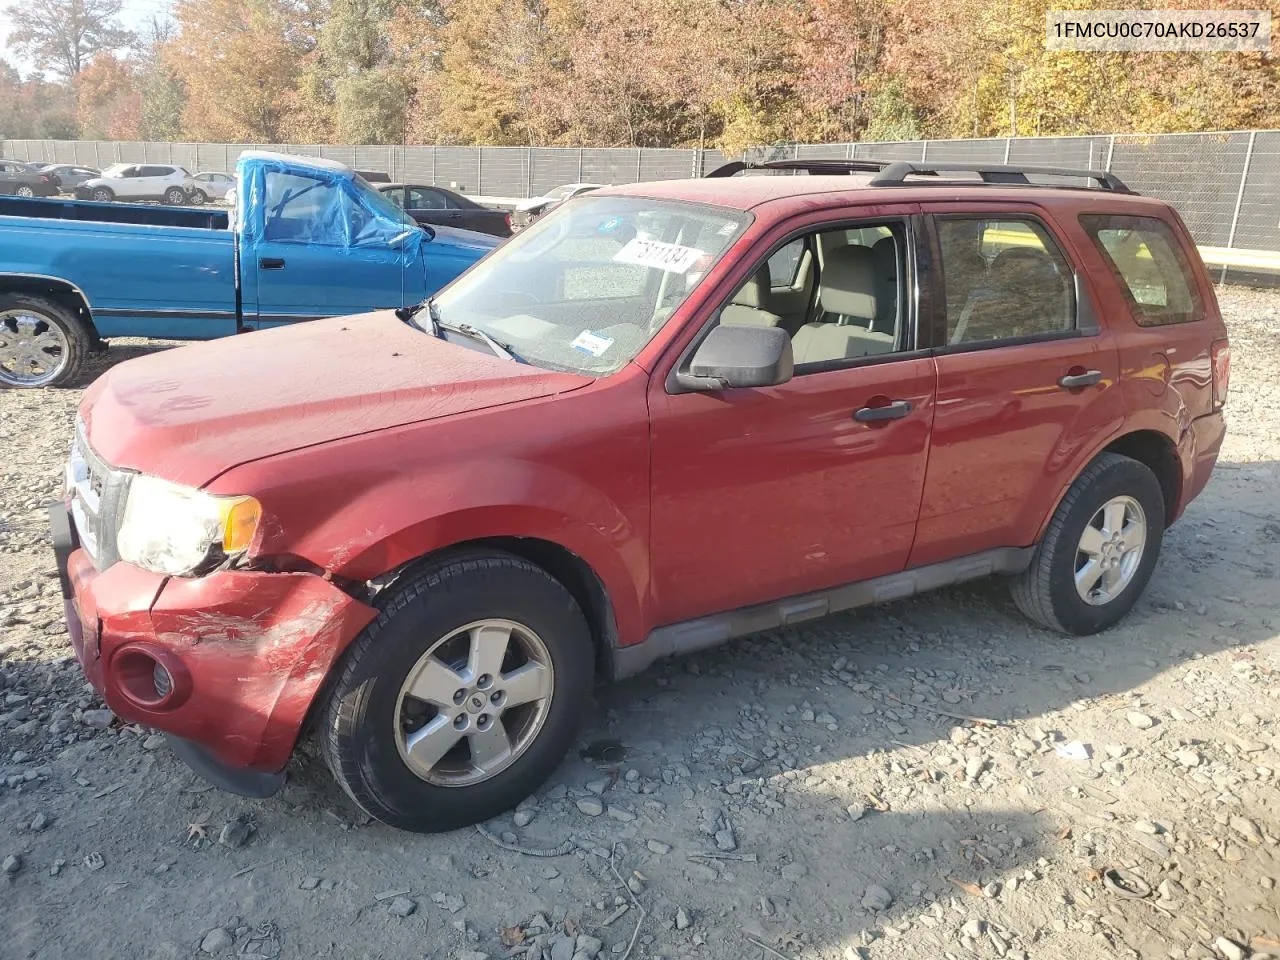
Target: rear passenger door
[764,493]
[1027,378]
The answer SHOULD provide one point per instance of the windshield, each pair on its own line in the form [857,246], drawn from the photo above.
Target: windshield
[586,287]
[559,193]
[115,169]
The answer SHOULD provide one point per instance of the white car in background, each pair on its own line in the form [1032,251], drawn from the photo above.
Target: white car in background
[211,185]
[527,211]
[139,181]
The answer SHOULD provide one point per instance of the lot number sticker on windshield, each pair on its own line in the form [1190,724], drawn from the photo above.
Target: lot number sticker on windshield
[592,343]
[654,253]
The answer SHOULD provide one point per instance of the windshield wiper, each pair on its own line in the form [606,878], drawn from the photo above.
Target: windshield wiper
[475,333]
[438,327]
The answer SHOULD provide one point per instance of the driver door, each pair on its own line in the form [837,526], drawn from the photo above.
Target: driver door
[304,268]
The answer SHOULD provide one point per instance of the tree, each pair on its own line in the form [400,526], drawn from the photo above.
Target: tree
[351,87]
[108,104]
[64,35]
[162,94]
[239,62]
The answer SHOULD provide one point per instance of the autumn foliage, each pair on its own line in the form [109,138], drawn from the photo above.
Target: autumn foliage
[717,73]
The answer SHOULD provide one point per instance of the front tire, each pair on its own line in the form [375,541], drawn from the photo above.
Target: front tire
[102,195]
[42,344]
[1099,551]
[175,197]
[462,697]
[199,198]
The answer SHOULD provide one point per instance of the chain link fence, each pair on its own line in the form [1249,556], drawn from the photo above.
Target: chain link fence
[1225,185]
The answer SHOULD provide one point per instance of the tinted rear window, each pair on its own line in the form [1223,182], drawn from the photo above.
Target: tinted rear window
[1147,259]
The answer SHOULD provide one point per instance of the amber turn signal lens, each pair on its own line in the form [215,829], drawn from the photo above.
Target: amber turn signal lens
[240,523]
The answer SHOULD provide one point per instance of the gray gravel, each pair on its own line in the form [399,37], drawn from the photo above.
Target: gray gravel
[808,791]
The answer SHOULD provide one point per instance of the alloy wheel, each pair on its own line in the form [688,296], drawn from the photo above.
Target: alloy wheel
[1110,550]
[474,702]
[33,349]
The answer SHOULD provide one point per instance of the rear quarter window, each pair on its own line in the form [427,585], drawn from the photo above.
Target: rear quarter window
[1147,260]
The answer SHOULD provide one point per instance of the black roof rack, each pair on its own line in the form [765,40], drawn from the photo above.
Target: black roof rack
[893,173]
[808,166]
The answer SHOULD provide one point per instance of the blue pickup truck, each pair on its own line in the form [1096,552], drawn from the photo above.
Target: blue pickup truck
[307,238]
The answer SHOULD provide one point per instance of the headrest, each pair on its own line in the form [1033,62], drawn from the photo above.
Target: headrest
[849,282]
[1016,267]
[755,292]
[885,251]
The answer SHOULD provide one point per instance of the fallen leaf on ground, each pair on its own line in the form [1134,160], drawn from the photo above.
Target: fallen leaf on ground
[970,888]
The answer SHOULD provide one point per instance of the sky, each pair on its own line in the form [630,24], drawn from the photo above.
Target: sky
[133,14]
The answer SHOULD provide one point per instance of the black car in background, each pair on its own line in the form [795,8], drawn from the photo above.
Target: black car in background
[436,206]
[19,179]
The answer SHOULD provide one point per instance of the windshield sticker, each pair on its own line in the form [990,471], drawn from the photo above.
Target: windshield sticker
[592,343]
[728,230]
[671,257]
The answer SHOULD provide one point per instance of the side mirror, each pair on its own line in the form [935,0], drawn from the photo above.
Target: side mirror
[733,356]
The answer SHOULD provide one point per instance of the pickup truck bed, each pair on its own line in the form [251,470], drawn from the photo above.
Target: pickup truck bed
[124,253]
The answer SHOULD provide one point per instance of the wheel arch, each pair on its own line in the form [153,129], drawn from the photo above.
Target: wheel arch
[569,569]
[1148,445]
[63,292]
[1160,455]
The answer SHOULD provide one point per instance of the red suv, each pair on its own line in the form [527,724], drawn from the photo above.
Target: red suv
[666,415]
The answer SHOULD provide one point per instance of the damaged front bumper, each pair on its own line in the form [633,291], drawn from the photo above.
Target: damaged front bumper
[228,663]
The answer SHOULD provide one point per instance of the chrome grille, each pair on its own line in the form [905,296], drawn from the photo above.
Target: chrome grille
[96,491]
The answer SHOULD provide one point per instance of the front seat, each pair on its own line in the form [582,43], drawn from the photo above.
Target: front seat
[746,307]
[849,303]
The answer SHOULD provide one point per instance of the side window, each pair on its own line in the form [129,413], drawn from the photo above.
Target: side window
[859,310]
[422,199]
[1003,279]
[784,264]
[154,171]
[299,208]
[1148,262]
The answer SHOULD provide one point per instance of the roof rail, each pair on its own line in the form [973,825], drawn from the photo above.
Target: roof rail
[894,174]
[808,166]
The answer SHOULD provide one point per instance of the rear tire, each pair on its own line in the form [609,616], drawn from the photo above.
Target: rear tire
[175,197]
[25,191]
[42,344]
[381,710]
[1099,551]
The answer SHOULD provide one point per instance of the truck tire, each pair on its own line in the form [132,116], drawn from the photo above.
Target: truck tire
[175,197]
[42,344]
[102,194]
[1099,551]
[462,697]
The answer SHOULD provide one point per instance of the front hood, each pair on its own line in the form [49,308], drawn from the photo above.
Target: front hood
[192,413]
[470,241]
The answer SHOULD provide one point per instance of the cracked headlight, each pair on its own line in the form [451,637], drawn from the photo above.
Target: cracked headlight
[176,530]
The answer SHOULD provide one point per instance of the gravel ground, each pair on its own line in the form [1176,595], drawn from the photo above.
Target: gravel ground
[929,779]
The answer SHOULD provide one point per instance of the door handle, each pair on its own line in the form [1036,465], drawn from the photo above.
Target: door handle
[271,263]
[891,411]
[1074,380]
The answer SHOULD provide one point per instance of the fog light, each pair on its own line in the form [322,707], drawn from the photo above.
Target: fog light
[160,677]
